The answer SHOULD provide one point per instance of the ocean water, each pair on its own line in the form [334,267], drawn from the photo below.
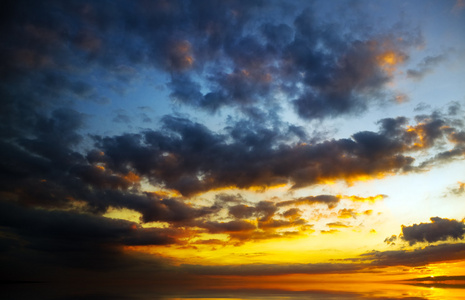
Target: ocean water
[323,291]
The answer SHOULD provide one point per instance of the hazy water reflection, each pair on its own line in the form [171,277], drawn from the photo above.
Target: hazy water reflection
[323,291]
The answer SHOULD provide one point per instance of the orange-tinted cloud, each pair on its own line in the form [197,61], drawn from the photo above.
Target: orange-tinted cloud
[337,225]
[329,200]
[389,60]
[347,213]
[371,199]
[180,55]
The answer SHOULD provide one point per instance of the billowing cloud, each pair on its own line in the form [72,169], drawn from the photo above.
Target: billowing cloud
[232,57]
[438,230]
[191,159]
[358,76]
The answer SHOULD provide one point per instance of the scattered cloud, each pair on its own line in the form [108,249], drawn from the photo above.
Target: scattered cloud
[391,240]
[426,66]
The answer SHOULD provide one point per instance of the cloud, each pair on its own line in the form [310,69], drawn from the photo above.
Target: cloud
[359,75]
[227,227]
[191,159]
[337,225]
[74,227]
[71,240]
[425,66]
[230,58]
[370,199]
[329,200]
[256,222]
[460,189]
[391,240]
[347,213]
[367,261]
[418,257]
[331,231]
[269,269]
[438,230]
[292,213]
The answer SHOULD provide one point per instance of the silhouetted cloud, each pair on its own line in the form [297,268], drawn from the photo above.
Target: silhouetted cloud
[367,261]
[391,240]
[438,230]
[70,240]
[191,159]
[417,257]
[75,227]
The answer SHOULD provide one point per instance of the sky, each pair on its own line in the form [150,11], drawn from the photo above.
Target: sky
[190,143]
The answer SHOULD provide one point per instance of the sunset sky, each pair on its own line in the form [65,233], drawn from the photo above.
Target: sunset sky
[217,142]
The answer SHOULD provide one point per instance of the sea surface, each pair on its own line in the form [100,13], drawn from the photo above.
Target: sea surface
[323,291]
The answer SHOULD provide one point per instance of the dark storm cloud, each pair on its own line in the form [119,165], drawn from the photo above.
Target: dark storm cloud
[191,159]
[45,42]
[75,228]
[346,86]
[217,54]
[44,240]
[337,75]
[43,169]
[438,230]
